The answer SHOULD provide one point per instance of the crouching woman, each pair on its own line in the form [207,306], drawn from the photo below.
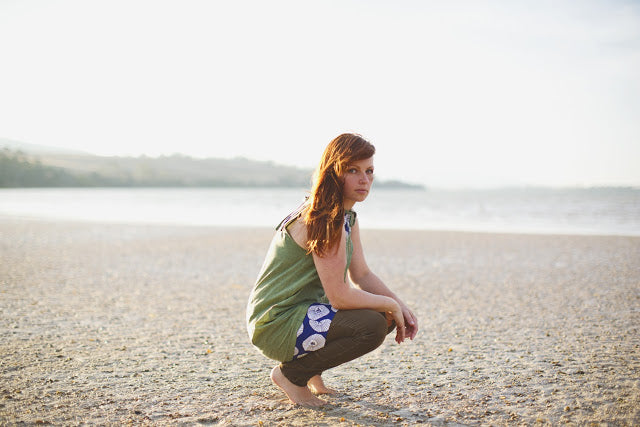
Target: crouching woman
[316,304]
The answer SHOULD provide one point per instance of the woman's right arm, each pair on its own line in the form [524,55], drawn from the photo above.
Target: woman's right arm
[342,296]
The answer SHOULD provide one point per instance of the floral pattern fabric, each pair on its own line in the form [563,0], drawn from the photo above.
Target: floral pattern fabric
[312,334]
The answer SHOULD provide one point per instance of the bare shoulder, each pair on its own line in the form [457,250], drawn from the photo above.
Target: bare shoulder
[298,231]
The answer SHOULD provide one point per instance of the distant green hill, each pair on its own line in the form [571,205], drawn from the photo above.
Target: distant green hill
[19,170]
[61,169]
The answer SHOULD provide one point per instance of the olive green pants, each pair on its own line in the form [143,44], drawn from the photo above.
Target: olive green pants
[352,334]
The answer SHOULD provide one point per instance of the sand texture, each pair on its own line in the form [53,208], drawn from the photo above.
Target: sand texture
[116,324]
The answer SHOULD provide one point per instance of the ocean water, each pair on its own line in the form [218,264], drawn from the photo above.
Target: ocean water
[530,210]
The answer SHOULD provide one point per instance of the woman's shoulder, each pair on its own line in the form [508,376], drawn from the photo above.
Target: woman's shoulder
[298,232]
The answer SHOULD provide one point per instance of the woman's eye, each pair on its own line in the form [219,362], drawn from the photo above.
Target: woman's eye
[370,171]
[352,170]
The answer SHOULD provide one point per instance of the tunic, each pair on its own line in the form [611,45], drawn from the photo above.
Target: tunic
[287,285]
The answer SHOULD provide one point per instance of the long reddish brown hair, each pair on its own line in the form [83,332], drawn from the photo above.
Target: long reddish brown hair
[324,215]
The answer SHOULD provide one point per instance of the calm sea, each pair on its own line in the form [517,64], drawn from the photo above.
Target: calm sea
[573,211]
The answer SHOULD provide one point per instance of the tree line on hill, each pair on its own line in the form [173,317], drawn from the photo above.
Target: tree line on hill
[19,169]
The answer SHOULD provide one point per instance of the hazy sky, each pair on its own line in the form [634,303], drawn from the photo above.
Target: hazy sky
[452,93]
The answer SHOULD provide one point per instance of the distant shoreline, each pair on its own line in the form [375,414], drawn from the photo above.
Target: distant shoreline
[19,169]
[550,212]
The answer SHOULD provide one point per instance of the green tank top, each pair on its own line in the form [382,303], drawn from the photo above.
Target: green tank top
[287,285]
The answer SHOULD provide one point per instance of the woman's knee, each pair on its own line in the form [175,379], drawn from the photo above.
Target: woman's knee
[377,327]
[367,326]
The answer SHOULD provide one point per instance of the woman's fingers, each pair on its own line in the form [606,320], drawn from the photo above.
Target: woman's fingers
[411,332]
[398,317]
[411,323]
[412,329]
[399,334]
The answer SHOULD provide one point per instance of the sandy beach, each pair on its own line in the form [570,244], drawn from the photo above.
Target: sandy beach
[115,324]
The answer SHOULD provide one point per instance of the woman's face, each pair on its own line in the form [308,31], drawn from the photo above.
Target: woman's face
[358,177]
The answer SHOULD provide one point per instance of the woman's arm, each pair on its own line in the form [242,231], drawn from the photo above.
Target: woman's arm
[366,280]
[342,296]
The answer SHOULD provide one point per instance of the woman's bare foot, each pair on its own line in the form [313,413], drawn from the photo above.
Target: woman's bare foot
[317,386]
[298,395]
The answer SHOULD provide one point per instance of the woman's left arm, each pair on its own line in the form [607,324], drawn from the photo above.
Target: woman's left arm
[365,279]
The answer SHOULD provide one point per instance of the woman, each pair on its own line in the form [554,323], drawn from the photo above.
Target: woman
[303,311]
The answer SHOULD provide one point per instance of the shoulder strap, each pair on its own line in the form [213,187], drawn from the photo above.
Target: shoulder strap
[349,220]
[292,216]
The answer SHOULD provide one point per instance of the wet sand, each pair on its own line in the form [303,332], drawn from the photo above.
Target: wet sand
[113,324]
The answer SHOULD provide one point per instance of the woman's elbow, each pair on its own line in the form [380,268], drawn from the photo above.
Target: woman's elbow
[339,302]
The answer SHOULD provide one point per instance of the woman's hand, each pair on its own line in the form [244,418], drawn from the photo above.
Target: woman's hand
[409,327]
[411,322]
[398,317]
